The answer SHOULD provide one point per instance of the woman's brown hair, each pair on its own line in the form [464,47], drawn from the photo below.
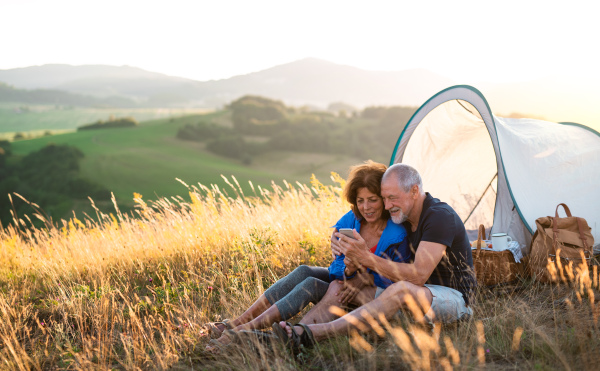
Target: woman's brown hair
[367,175]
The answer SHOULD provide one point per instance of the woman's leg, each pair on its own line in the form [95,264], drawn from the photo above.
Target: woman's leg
[277,291]
[259,306]
[321,313]
[311,290]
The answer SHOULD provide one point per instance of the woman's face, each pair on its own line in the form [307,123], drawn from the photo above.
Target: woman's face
[369,205]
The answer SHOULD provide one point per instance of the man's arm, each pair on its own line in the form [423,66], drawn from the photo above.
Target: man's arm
[427,257]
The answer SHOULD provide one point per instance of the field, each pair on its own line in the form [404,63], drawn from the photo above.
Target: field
[131,294]
[148,159]
[23,118]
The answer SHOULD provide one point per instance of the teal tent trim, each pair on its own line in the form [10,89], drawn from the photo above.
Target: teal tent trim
[581,126]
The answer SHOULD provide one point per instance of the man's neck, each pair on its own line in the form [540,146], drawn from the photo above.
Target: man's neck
[415,214]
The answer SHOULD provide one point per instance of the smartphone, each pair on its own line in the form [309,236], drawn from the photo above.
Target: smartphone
[347,232]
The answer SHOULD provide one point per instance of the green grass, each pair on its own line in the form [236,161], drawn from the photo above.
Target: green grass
[147,159]
[21,117]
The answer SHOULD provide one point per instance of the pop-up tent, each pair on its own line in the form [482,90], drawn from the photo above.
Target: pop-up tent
[501,172]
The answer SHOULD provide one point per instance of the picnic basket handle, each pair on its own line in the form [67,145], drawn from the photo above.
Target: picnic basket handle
[480,237]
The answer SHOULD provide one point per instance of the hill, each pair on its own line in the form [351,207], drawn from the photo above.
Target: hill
[132,87]
[58,97]
[307,81]
[318,82]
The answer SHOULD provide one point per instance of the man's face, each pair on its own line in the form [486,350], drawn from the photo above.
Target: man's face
[396,201]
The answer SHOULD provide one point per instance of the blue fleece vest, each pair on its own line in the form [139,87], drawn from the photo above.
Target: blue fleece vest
[392,245]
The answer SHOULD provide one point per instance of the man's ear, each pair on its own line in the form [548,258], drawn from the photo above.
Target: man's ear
[414,191]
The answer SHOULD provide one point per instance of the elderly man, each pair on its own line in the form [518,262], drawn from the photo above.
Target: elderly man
[440,280]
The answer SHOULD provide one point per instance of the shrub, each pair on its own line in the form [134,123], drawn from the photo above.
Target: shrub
[202,131]
[125,122]
[257,115]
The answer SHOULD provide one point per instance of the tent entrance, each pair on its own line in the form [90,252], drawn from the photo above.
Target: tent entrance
[452,150]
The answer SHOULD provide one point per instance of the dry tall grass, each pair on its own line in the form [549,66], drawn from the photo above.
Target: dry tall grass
[133,292]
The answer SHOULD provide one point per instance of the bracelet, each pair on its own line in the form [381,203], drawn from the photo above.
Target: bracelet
[351,275]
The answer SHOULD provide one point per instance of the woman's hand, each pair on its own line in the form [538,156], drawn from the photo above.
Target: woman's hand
[352,287]
[336,249]
[354,248]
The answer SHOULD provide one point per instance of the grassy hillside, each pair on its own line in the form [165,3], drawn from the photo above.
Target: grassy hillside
[130,294]
[147,159]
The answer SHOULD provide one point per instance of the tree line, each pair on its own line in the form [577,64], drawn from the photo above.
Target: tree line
[49,177]
[370,133]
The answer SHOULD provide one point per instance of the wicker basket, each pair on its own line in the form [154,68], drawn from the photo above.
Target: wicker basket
[494,267]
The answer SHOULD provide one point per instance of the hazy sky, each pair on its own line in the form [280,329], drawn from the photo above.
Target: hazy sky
[469,41]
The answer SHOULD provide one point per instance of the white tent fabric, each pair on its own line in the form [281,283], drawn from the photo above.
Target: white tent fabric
[501,172]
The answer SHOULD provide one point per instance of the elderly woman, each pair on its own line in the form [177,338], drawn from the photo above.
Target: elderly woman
[344,282]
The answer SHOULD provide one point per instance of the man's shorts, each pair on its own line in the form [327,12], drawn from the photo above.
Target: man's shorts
[447,306]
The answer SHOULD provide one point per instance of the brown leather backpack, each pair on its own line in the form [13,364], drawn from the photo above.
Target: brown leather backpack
[561,247]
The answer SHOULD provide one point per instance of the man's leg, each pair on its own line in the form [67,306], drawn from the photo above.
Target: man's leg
[448,305]
[394,298]
[322,313]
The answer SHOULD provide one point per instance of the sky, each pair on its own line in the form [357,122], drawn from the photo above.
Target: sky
[469,41]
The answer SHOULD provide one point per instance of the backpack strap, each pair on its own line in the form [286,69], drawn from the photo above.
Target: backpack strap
[554,222]
[555,225]
[564,207]
[582,236]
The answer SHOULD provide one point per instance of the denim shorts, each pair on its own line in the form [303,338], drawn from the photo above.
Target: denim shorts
[448,305]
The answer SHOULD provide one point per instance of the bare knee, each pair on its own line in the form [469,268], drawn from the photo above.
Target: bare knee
[403,292]
[334,287]
[396,289]
[333,290]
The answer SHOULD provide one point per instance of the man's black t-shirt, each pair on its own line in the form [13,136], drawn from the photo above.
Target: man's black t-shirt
[439,223]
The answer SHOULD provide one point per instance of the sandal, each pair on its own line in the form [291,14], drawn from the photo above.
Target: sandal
[295,342]
[214,330]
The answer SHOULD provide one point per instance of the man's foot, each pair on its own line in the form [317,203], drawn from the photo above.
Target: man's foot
[294,337]
[285,325]
[215,346]
[216,329]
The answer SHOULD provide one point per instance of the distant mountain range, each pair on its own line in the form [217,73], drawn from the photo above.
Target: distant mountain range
[305,82]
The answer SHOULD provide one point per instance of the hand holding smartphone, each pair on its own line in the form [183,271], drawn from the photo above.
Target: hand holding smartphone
[347,232]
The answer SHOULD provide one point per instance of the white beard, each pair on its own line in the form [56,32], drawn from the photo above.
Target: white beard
[400,218]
